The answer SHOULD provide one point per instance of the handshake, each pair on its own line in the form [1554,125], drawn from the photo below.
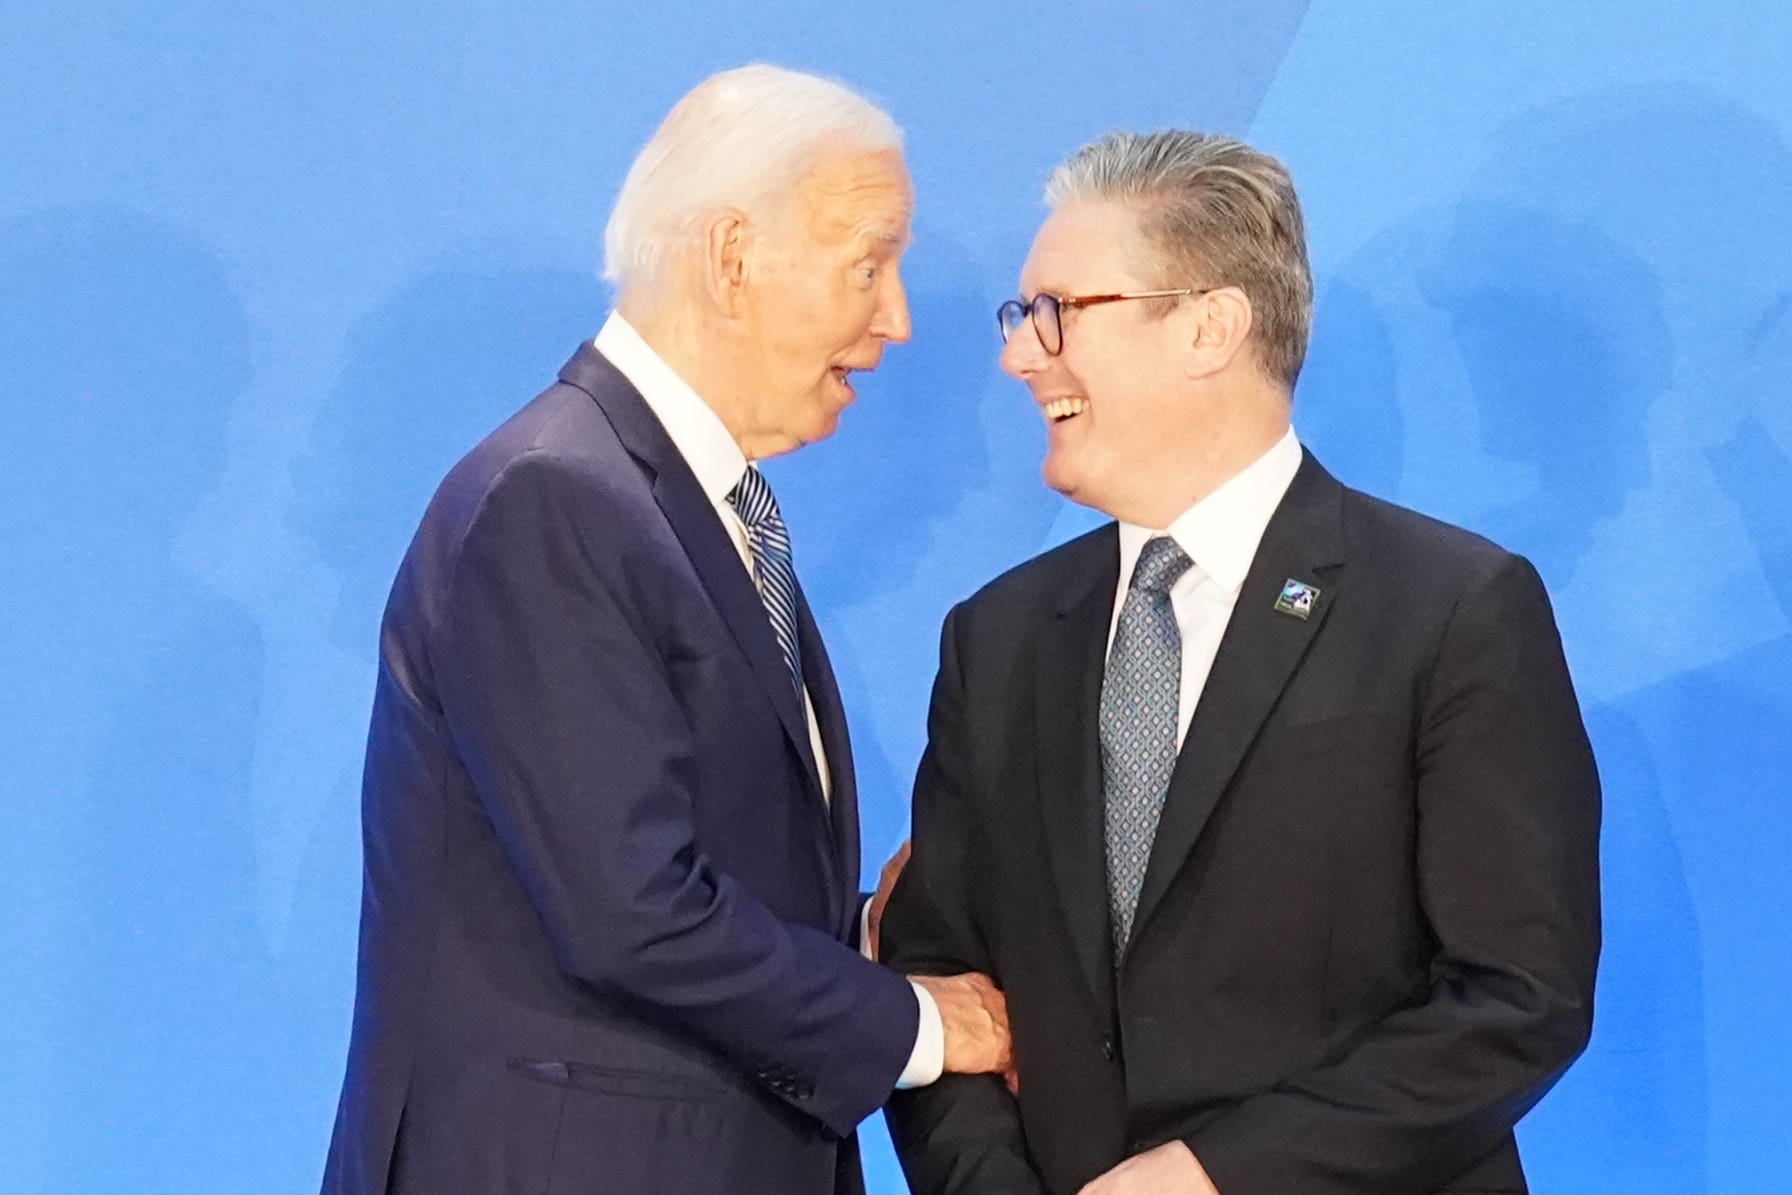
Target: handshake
[973,1011]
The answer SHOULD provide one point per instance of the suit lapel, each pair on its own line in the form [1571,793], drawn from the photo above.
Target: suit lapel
[843,802]
[699,530]
[1257,657]
[1072,652]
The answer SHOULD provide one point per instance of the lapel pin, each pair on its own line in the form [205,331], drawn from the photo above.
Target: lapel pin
[1297,599]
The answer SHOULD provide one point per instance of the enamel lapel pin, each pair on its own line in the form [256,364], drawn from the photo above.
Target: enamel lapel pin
[1297,599]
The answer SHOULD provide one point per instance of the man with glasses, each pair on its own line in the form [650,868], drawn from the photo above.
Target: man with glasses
[1269,804]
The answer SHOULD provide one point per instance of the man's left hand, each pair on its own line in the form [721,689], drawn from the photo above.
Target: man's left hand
[886,883]
[1170,1169]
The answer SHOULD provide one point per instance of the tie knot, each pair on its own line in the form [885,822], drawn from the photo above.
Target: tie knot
[1161,562]
[752,499]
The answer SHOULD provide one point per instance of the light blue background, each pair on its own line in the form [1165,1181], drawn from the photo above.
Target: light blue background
[266,270]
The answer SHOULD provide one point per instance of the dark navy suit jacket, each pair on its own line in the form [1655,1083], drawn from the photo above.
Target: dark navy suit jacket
[607,911]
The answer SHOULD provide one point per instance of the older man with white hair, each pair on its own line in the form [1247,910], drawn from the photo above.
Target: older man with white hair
[610,824]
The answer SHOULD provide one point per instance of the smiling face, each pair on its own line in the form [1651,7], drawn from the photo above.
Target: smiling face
[823,295]
[1117,400]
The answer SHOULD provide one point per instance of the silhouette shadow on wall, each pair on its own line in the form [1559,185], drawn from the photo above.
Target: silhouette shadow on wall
[448,359]
[131,694]
[1347,403]
[1565,347]
[1572,345]
[1574,287]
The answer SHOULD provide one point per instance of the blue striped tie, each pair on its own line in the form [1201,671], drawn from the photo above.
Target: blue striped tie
[1139,696]
[773,573]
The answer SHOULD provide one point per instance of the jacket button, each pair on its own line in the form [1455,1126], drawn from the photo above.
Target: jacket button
[1107,1048]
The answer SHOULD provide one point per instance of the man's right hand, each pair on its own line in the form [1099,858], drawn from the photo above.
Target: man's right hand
[974,1014]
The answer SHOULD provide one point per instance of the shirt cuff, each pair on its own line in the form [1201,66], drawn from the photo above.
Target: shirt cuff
[865,930]
[928,1058]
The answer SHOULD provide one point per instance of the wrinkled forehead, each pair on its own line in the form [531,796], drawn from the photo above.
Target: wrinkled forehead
[851,196]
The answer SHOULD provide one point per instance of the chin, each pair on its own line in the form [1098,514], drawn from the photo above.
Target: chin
[1079,487]
[1058,476]
[825,420]
[821,429]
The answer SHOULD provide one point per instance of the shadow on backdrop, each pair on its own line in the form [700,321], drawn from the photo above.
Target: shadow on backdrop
[428,374]
[1726,775]
[1731,718]
[1702,320]
[1347,403]
[1565,346]
[1585,309]
[1562,333]
[142,1000]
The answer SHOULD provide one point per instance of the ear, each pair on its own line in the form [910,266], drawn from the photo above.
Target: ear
[1222,322]
[725,260]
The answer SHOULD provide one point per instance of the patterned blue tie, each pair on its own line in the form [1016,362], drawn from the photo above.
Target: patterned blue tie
[1138,725]
[773,573]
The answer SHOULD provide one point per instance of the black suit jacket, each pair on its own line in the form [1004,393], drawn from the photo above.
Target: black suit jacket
[1367,936]
[606,913]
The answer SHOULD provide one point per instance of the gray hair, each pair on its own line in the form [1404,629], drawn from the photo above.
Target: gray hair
[739,139]
[1212,212]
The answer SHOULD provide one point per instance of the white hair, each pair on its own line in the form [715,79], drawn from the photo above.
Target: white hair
[739,139]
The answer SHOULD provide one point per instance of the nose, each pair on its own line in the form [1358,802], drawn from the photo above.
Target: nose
[1022,354]
[890,322]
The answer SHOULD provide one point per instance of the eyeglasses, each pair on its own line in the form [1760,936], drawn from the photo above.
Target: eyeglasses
[1045,310]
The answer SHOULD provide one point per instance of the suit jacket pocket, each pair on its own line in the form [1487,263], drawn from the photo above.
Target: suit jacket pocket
[643,1132]
[531,1131]
[617,1080]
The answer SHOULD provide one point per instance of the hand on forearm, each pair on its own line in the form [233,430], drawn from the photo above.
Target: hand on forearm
[974,1015]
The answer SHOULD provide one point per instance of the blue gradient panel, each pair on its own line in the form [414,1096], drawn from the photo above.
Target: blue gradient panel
[266,271]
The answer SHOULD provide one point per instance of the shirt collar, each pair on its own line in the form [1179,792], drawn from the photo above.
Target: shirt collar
[1221,532]
[695,429]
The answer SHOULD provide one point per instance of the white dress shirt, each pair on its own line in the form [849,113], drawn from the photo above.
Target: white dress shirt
[700,437]
[1220,533]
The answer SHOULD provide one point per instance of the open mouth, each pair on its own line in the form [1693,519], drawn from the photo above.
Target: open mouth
[1060,409]
[843,375]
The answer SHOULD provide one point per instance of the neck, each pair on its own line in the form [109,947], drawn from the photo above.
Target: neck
[1228,442]
[684,341]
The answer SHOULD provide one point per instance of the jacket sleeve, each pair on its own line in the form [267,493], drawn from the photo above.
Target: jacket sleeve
[1507,849]
[963,1133]
[561,708]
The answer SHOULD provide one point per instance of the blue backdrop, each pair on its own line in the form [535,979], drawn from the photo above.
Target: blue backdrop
[266,270]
